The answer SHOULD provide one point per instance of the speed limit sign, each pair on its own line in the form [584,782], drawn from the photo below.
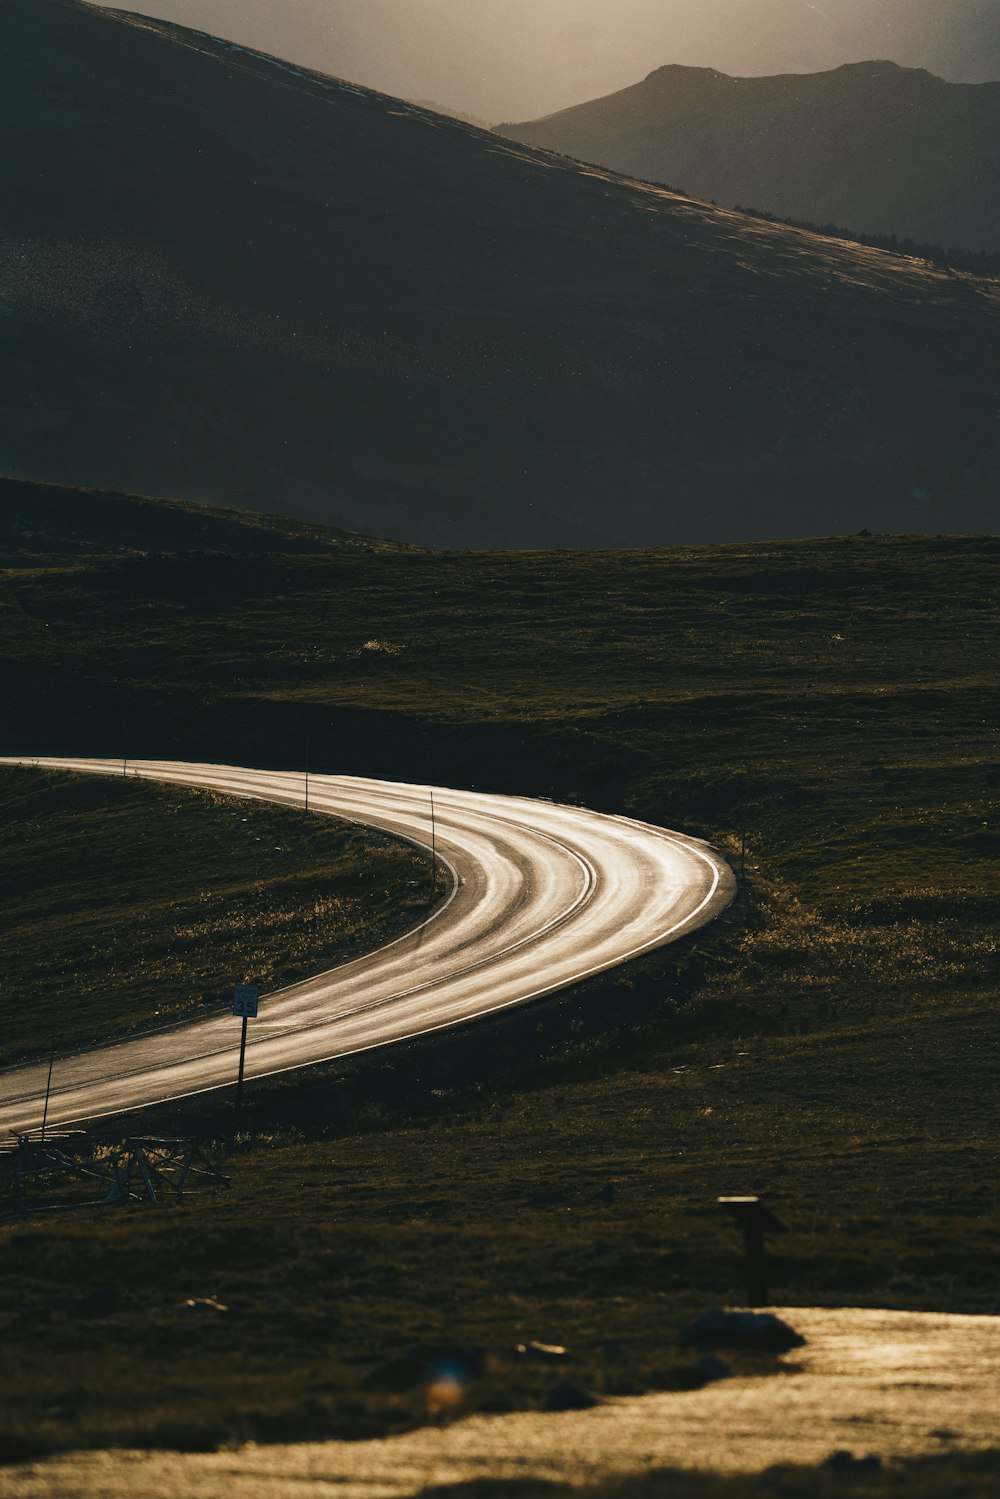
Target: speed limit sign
[246,997]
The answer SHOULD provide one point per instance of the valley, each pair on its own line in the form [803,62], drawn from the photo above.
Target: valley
[535,620]
[831,1045]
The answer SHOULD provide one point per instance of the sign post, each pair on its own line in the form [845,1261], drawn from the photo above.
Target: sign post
[246,997]
[755,1219]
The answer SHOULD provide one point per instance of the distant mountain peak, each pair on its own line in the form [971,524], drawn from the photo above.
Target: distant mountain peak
[884,68]
[680,69]
[871,147]
[873,68]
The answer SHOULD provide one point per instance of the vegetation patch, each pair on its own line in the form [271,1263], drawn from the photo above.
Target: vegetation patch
[129,905]
[826,709]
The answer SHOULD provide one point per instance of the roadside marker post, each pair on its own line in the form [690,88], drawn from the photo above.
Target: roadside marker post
[755,1219]
[48,1084]
[246,998]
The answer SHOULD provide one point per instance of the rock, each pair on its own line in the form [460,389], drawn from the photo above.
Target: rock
[569,1397]
[846,1465]
[760,1332]
[606,1194]
[613,1352]
[201,1304]
[544,1353]
[712,1369]
[547,1198]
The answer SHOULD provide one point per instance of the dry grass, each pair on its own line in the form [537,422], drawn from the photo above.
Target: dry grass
[128,905]
[830,1046]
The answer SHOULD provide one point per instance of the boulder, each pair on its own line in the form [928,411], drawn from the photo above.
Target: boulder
[202,1304]
[542,1353]
[758,1332]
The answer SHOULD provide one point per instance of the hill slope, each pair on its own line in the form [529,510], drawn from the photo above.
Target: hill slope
[835,700]
[42,521]
[226,279]
[872,147]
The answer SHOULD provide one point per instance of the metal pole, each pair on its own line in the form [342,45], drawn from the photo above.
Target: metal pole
[755,1264]
[48,1085]
[243,1058]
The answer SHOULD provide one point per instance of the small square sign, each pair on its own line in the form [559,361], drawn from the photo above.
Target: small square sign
[245,1000]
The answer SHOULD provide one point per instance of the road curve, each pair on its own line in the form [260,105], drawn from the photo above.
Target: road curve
[541,896]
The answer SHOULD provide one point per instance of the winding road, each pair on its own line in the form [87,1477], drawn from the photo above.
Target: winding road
[541,897]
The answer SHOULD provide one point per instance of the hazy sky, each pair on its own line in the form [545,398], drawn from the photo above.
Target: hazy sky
[514,59]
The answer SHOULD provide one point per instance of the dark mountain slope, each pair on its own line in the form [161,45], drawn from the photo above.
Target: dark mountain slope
[871,147]
[44,521]
[228,280]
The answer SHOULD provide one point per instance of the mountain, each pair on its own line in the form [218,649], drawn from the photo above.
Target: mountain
[226,279]
[871,147]
[504,61]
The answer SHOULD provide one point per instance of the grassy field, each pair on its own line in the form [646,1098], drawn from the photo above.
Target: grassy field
[128,905]
[831,1045]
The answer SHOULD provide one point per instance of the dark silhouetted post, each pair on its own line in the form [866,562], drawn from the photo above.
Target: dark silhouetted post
[48,1085]
[243,1063]
[246,998]
[755,1219]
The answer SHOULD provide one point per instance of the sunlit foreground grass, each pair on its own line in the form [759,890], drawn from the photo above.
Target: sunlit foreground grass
[831,1046]
[491,1225]
[875,1401]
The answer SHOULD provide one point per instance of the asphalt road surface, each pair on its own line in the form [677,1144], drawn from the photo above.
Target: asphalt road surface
[541,896]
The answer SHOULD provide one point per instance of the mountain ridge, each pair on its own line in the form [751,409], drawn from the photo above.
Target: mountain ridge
[505,62]
[873,146]
[233,280]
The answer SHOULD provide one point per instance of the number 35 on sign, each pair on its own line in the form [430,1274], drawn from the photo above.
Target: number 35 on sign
[245,1000]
